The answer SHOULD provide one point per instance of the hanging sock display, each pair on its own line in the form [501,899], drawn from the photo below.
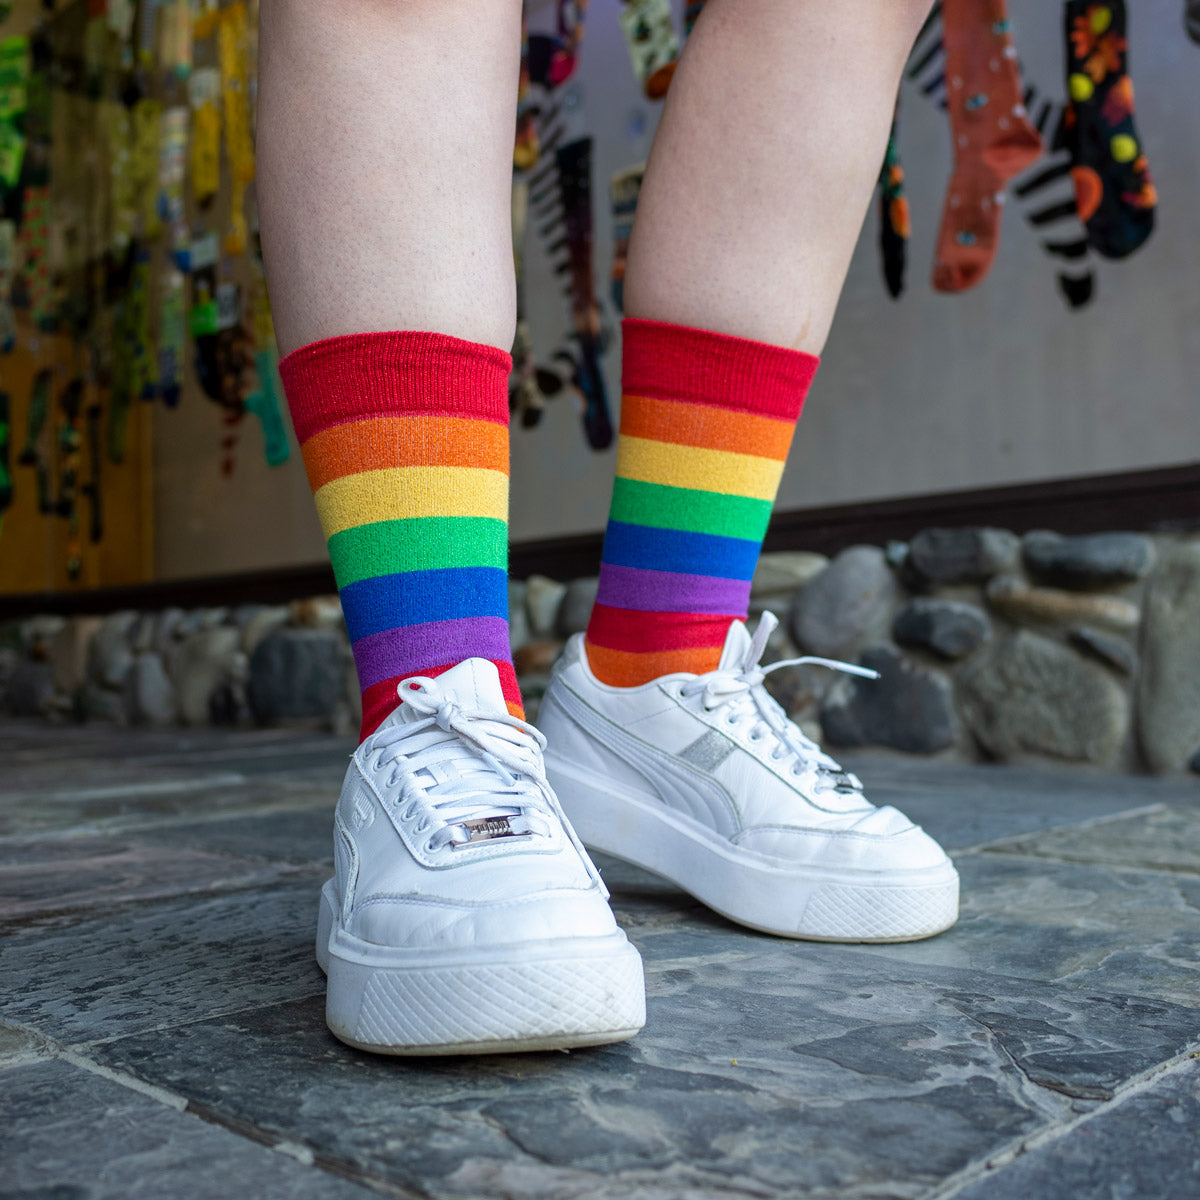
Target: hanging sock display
[233,47]
[35,423]
[14,79]
[8,322]
[993,139]
[6,479]
[574,163]
[649,30]
[1114,192]
[895,224]
[264,401]
[91,489]
[625,188]
[1191,19]
[204,95]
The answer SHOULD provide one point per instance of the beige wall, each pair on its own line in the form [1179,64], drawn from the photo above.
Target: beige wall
[1000,385]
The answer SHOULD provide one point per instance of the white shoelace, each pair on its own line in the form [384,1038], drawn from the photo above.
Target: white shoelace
[741,693]
[457,765]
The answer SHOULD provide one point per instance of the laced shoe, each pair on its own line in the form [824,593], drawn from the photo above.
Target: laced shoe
[704,780]
[464,916]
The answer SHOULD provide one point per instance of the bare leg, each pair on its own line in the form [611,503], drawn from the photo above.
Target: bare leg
[762,167]
[385,165]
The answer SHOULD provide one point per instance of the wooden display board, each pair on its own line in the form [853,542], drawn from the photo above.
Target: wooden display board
[35,547]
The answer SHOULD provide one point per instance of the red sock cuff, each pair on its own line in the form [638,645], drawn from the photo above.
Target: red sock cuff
[673,362]
[358,375]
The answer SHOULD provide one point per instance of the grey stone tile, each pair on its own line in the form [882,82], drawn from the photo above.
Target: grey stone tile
[123,800]
[967,805]
[160,964]
[1166,840]
[767,1068]
[1080,926]
[53,881]
[1147,1145]
[17,1045]
[303,836]
[66,1133]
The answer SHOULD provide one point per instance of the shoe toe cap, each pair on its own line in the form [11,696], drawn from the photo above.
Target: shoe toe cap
[884,839]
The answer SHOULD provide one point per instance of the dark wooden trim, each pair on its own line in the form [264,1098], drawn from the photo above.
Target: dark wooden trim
[1161,499]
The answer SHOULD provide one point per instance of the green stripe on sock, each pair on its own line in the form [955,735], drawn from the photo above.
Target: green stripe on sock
[419,544]
[689,510]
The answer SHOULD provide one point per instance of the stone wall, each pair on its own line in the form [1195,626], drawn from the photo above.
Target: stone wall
[1079,649]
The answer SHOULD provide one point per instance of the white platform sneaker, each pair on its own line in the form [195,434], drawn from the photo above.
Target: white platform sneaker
[703,779]
[464,916]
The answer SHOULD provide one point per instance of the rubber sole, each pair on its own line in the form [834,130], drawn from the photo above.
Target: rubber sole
[808,903]
[534,996]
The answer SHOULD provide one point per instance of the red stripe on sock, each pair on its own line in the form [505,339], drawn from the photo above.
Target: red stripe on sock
[644,632]
[359,375]
[381,699]
[672,362]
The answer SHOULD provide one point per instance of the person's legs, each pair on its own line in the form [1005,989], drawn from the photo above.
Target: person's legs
[385,164]
[462,915]
[664,746]
[757,184]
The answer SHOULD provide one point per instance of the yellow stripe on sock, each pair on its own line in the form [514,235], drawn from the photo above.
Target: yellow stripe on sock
[402,493]
[696,467]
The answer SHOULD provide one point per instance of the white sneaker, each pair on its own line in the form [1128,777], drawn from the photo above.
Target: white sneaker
[464,916]
[703,779]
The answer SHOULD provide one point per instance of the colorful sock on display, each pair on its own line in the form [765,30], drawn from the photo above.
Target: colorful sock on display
[405,439]
[1114,193]
[993,139]
[895,223]
[706,423]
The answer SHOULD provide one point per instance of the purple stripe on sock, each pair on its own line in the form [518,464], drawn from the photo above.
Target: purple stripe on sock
[412,649]
[668,591]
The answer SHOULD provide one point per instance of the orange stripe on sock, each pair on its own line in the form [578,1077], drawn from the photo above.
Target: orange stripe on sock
[702,425]
[624,668]
[376,443]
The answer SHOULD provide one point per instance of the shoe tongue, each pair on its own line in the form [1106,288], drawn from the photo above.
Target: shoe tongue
[474,683]
[737,646]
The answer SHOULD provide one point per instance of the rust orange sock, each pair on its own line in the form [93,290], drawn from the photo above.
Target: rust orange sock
[993,138]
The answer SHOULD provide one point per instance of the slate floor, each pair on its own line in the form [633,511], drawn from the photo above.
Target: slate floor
[161,1027]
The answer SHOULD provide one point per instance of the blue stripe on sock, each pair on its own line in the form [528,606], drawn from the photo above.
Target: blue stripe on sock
[415,597]
[679,550]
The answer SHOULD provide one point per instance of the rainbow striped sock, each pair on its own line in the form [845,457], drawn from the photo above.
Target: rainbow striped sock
[405,439]
[706,423]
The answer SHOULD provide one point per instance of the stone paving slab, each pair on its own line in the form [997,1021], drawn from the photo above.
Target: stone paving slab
[154,965]
[764,1069]
[66,1134]
[156,925]
[1080,926]
[1167,839]
[1148,1146]
[56,880]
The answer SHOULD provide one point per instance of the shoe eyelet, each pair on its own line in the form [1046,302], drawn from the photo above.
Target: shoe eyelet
[409,813]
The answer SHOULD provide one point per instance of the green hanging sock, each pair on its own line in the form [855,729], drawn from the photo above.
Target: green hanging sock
[264,404]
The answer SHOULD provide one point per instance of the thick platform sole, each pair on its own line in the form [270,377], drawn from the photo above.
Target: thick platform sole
[815,904]
[549,995]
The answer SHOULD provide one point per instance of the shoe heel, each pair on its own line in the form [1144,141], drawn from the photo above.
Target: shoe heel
[325,918]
